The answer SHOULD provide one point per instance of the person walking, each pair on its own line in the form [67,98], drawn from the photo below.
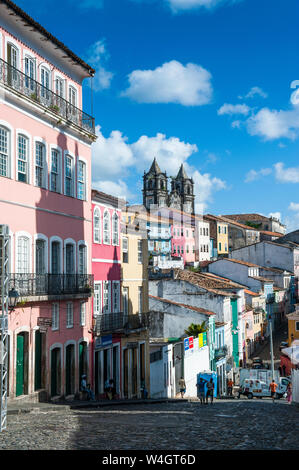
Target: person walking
[182,386]
[289,393]
[201,390]
[210,391]
[230,385]
[273,386]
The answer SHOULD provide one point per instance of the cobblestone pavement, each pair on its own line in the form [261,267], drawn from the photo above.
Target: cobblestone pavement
[227,424]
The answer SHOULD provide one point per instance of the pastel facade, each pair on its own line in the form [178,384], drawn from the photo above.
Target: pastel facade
[106,269]
[45,170]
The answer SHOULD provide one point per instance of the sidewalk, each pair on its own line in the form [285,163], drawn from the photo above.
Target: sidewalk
[23,407]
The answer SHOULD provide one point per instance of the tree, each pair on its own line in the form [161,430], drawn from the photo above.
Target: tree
[196,329]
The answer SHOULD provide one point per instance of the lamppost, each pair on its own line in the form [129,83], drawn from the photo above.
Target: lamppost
[13,296]
[292,345]
[271,345]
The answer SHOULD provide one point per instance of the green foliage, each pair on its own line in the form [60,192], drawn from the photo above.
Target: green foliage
[195,330]
[194,270]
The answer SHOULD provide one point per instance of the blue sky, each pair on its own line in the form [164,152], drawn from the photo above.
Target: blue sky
[203,82]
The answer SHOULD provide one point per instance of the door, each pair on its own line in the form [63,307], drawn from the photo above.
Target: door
[178,365]
[12,60]
[20,366]
[234,306]
[55,372]
[69,370]
[125,371]
[82,360]
[38,361]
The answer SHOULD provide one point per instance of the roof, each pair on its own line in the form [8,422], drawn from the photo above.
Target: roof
[155,167]
[238,224]
[250,292]
[22,14]
[214,218]
[262,279]
[182,173]
[248,308]
[190,307]
[219,324]
[245,263]
[212,284]
[273,234]
[117,201]
[249,217]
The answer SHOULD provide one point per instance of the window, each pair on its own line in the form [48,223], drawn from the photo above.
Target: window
[69,315]
[55,258]
[126,300]
[187,248]
[297,326]
[82,313]
[106,297]
[55,316]
[40,160]
[139,251]
[30,73]
[115,296]
[23,147]
[40,257]
[81,180]
[54,177]
[115,235]
[97,225]
[106,227]
[125,250]
[219,246]
[82,260]
[45,82]
[97,300]
[23,250]
[4,152]
[68,176]
[140,300]
[69,259]
[59,88]
[72,96]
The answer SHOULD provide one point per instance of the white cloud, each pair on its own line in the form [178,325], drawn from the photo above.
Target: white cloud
[254,175]
[97,55]
[205,186]
[273,124]
[254,91]
[181,5]
[294,206]
[286,175]
[276,215]
[231,109]
[117,188]
[172,82]
[170,152]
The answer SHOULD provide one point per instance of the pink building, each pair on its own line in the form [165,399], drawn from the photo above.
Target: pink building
[45,173]
[106,268]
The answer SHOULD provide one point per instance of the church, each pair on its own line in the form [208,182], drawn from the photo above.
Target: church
[155,190]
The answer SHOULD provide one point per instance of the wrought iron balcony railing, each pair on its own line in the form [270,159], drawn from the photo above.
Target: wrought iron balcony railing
[29,285]
[38,93]
[220,352]
[119,321]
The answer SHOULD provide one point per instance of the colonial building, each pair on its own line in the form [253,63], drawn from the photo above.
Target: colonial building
[45,171]
[260,222]
[156,193]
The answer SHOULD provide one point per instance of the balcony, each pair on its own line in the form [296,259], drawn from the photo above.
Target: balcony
[220,352]
[39,94]
[120,322]
[30,286]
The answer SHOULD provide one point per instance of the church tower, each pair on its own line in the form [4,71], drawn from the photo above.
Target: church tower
[155,187]
[182,189]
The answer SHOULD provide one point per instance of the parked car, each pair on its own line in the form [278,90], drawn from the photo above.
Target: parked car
[257,363]
[260,389]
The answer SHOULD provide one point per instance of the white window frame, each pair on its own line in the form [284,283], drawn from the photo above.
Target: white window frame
[55,316]
[54,148]
[27,235]
[97,310]
[107,283]
[56,239]
[140,251]
[40,236]
[115,242]
[82,162]
[8,153]
[84,244]
[70,241]
[21,133]
[107,239]
[125,250]
[72,178]
[116,289]
[140,299]
[125,289]
[98,229]
[44,185]
[83,313]
[69,315]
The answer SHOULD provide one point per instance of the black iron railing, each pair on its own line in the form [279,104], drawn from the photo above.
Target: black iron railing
[38,93]
[28,285]
[119,321]
[220,352]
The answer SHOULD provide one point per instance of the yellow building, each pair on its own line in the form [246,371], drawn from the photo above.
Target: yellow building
[135,344]
[218,232]
[293,325]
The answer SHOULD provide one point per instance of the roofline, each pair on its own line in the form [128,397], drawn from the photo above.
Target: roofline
[21,13]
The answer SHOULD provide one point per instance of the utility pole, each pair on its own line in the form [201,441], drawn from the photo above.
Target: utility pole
[4,291]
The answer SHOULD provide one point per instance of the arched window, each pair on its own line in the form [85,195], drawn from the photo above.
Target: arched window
[97,225]
[23,252]
[115,232]
[106,227]
[4,151]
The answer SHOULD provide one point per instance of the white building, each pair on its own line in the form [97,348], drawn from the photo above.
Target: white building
[203,234]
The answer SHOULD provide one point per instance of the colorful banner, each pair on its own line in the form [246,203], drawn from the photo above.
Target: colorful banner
[200,340]
[205,340]
[191,342]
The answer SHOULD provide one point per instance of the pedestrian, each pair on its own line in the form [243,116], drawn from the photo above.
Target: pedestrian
[107,388]
[230,385]
[289,393]
[112,388]
[143,390]
[273,386]
[182,386]
[90,393]
[210,391]
[86,388]
[201,390]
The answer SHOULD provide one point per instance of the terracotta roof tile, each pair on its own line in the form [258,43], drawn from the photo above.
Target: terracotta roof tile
[190,307]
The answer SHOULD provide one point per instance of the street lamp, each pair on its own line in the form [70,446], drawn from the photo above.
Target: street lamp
[13,296]
[271,345]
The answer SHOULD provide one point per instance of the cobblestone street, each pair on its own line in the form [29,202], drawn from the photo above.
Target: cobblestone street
[227,424]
